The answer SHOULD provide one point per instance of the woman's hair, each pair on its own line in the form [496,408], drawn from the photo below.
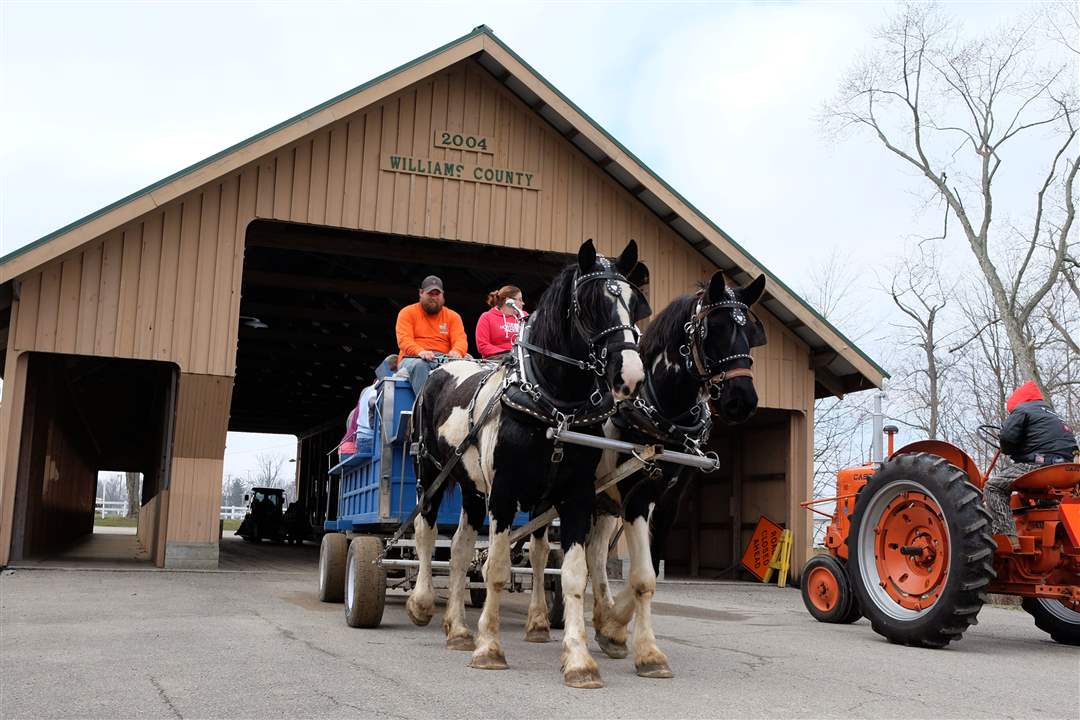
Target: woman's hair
[496,298]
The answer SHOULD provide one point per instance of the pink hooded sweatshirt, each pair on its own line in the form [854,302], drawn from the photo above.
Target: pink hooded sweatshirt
[496,332]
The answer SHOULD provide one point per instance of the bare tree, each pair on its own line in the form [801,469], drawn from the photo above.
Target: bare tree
[918,290]
[945,106]
[268,472]
[133,481]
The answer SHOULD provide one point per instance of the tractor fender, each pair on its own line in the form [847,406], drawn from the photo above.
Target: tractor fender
[950,453]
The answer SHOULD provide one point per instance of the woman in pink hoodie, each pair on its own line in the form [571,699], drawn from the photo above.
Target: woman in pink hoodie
[497,329]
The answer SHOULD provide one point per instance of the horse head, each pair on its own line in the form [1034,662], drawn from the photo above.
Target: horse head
[604,309]
[720,334]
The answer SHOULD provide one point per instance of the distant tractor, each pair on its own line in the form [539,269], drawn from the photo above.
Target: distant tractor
[264,519]
[910,546]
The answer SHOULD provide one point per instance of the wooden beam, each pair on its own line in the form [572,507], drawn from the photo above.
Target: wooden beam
[409,250]
[318,283]
[308,338]
[302,312]
[829,381]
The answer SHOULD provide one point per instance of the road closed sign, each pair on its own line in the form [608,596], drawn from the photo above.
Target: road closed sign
[762,544]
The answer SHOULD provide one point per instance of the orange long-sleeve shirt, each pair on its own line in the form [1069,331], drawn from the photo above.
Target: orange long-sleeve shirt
[441,333]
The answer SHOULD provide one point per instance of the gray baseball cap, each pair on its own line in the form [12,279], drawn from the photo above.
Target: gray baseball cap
[431,281]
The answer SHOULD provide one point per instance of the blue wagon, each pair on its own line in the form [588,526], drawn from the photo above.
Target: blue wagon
[376,493]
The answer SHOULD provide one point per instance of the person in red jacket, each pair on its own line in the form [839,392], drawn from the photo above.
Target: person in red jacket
[498,328]
[1033,436]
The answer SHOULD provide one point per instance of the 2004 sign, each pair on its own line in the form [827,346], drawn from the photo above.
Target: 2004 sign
[462,141]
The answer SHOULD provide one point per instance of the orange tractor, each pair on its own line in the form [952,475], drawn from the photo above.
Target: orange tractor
[910,547]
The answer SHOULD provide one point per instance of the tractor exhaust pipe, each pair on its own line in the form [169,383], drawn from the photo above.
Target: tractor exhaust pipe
[876,455]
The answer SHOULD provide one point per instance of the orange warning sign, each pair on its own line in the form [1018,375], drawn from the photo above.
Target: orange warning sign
[762,544]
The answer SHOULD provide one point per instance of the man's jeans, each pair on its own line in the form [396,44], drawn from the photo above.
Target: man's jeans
[417,371]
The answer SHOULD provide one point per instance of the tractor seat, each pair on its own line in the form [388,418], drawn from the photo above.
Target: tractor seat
[1059,477]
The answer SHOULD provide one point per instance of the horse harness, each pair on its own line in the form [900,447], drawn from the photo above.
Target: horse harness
[522,389]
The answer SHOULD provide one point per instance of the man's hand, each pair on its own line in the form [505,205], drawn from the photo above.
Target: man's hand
[454,354]
[426,355]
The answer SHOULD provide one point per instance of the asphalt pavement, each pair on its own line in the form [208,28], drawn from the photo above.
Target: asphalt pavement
[251,642]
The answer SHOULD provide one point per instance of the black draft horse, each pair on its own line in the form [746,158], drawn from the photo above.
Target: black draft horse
[576,359]
[696,348]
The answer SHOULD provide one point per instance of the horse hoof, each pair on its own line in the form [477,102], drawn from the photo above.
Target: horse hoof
[418,617]
[584,679]
[488,660]
[538,635]
[461,642]
[611,648]
[654,669]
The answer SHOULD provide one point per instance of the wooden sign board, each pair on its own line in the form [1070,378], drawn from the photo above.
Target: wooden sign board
[760,550]
[463,141]
[469,172]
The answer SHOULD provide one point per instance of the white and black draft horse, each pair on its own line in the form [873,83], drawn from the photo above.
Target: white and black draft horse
[576,359]
[696,350]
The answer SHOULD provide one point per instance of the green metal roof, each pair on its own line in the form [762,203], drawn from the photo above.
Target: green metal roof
[479,30]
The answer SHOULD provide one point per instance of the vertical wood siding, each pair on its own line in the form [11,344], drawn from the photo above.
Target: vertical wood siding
[167,286]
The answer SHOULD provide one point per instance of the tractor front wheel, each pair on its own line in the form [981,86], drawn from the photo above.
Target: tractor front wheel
[826,591]
[920,551]
[1056,618]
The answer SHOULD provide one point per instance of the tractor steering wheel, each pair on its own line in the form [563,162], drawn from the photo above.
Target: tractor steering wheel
[989,435]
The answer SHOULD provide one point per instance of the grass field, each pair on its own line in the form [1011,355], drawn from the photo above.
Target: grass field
[115,521]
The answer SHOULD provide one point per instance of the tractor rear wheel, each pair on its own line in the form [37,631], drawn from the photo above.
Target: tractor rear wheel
[826,591]
[332,553]
[920,551]
[365,583]
[1056,618]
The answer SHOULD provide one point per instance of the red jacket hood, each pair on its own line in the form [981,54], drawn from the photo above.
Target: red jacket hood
[1025,393]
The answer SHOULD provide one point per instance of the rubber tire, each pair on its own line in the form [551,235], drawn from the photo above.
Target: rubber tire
[971,552]
[477,596]
[1060,629]
[365,583]
[333,552]
[842,612]
[553,592]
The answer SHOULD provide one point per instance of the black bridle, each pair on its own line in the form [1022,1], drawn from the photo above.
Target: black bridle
[715,372]
[598,350]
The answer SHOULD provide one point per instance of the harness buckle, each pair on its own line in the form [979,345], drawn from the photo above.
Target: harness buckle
[597,397]
[557,454]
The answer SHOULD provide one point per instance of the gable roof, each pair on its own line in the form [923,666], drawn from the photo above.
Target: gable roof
[839,365]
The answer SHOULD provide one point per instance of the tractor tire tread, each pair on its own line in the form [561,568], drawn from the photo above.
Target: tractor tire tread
[962,597]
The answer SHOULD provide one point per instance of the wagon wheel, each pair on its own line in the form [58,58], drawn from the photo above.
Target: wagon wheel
[920,551]
[553,592]
[365,583]
[826,591]
[332,555]
[477,596]
[1056,617]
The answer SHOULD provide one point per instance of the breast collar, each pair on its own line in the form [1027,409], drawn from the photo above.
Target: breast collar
[689,430]
[527,390]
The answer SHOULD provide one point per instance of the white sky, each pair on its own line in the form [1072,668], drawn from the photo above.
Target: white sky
[100,99]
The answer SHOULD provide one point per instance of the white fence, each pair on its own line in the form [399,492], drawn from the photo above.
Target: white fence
[111,507]
[104,508]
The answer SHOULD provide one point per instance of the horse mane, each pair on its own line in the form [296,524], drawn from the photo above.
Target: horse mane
[666,329]
[549,325]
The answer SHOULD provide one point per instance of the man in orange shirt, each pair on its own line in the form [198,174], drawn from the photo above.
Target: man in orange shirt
[426,329]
